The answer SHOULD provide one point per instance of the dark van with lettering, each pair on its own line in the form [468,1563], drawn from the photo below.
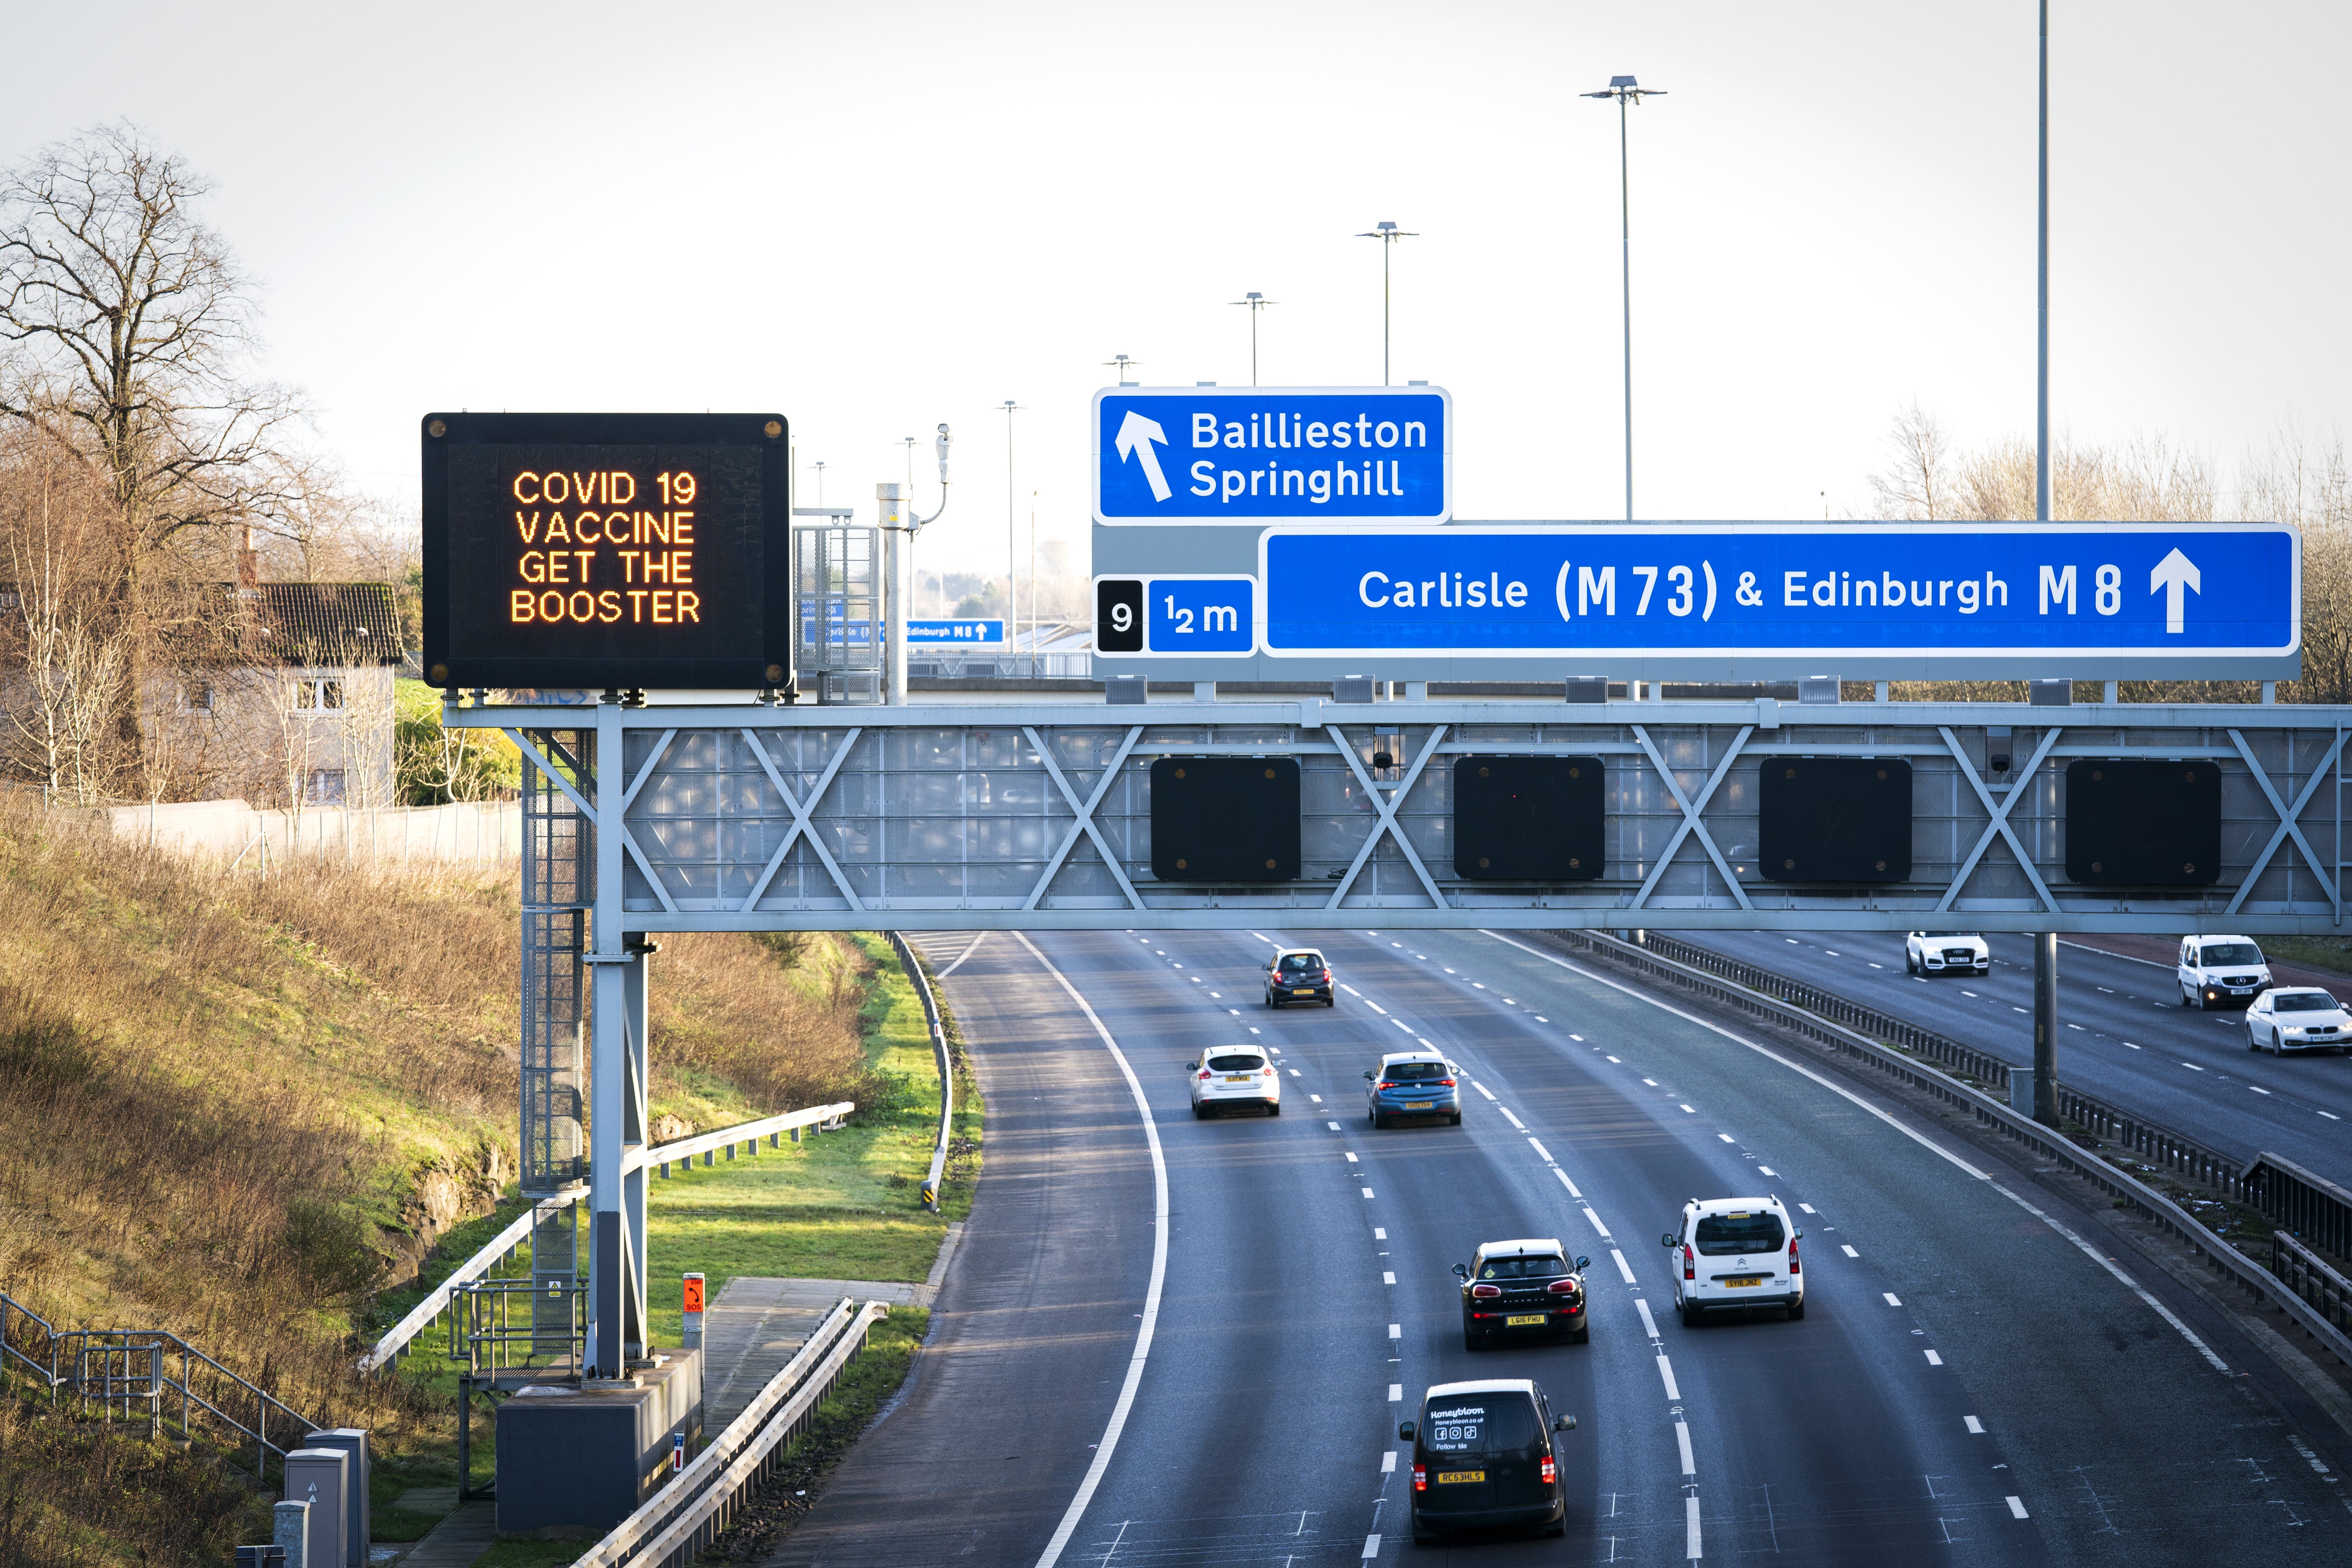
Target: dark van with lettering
[1482,1459]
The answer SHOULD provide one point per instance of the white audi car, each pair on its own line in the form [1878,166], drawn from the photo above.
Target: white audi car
[1232,1076]
[1946,952]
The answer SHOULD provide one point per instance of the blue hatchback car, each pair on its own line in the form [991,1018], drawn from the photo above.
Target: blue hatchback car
[1415,1084]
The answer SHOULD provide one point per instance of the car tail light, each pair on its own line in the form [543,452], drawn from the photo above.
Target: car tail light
[1384,1084]
[1269,1069]
[1483,1291]
[1550,1473]
[1204,1075]
[1445,1083]
[1561,1287]
[1794,1266]
[1421,1478]
[1689,1263]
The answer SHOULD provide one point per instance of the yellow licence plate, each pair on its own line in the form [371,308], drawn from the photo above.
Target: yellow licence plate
[1446,1478]
[1302,991]
[1735,1284]
[1521,1322]
[1420,1105]
[1243,1078]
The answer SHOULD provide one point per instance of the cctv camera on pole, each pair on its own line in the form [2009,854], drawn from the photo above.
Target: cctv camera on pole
[898,592]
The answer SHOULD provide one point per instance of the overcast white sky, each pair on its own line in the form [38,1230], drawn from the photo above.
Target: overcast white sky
[877,217]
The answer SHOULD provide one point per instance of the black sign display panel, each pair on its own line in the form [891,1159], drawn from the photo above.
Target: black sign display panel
[1833,819]
[1118,615]
[2143,823]
[607,549]
[1528,819]
[1225,819]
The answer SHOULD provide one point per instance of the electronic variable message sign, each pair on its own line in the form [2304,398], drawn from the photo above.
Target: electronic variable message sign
[607,549]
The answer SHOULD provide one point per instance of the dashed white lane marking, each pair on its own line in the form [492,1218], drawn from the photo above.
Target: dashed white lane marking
[1808,1208]
[1368,1192]
[2258,1088]
[1578,1038]
[1566,1182]
[1892,1299]
[2192,1067]
[1513,1120]
[1371,1546]
[2128,1043]
[1388,1463]
[1622,1266]
[1849,1251]
[1541,1153]
[1151,1315]
[1649,1324]
[1376,1008]
[1650,1081]
[1352,1160]
[1334,1126]
[1690,1528]
[1396,1330]
[1388,1278]
[2016,1506]
[1974,1424]
[1725,1136]
[2331,1116]
[1681,1441]
[1598,1225]
[1478,985]
[1294,1072]
[1766,1171]
[1482,1089]
[1396,1391]
[1542,1019]
[1666,1372]
[1617,1060]
[1380,1233]
[1349,989]
[1692,1109]
[1932,1359]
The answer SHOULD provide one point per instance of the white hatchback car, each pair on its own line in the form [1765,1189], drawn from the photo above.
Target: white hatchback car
[2298,1019]
[1946,952]
[2216,971]
[1234,1076]
[1731,1254]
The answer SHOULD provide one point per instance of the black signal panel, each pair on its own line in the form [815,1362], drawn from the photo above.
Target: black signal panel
[1834,819]
[1225,819]
[2144,824]
[1528,819]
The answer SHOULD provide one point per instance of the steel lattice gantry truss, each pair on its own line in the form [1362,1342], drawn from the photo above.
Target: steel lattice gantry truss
[967,814]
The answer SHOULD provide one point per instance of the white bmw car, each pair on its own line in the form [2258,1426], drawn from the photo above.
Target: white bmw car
[2295,1018]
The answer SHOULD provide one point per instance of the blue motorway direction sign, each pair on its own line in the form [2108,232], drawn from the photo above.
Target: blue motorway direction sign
[954,633]
[1176,614]
[1226,455]
[1887,591]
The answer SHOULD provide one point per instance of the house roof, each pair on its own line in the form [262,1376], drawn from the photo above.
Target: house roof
[328,623]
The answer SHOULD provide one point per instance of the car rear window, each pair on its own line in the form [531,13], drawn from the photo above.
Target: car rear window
[1235,1064]
[1415,1072]
[2305,1002]
[1523,1268]
[1301,960]
[2231,953]
[1752,1230]
[1496,1423]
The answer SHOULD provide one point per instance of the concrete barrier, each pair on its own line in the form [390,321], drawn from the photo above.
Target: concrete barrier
[488,833]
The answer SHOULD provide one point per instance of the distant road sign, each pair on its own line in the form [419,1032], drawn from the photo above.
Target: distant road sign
[1224,455]
[1172,616]
[606,549]
[955,634]
[1944,594]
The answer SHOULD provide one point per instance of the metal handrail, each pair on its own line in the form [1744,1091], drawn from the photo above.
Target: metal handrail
[2309,1276]
[689,1512]
[436,1302]
[824,1117]
[482,1327]
[2135,1195]
[940,1057]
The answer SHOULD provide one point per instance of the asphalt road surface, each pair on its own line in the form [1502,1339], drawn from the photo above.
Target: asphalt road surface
[2124,1037]
[1173,1342]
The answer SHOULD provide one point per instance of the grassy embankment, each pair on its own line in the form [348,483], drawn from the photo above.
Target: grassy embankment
[235,1104]
[841,1205]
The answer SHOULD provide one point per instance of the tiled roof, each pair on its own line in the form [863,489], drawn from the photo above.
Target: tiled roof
[328,623]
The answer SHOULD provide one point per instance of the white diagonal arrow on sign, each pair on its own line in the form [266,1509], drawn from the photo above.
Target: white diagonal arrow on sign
[2172,573]
[1135,436]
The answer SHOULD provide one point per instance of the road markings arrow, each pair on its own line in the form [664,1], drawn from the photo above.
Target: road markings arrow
[1135,435]
[2172,573]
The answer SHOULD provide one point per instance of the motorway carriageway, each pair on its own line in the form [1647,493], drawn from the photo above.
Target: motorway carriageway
[1176,1343]
[2123,1037]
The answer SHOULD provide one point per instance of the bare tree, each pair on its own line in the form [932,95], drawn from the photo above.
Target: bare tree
[1914,485]
[126,327]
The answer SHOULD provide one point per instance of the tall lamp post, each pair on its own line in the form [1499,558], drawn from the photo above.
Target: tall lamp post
[1625,90]
[1388,234]
[1011,531]
[1257,303]
[2046,943]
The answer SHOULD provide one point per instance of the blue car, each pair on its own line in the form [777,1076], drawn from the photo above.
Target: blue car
[1415,1084]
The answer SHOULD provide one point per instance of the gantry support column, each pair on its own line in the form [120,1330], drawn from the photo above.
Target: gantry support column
[2045,1027]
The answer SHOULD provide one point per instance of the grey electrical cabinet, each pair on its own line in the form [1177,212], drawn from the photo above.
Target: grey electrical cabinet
[322,1478]
[352,1440]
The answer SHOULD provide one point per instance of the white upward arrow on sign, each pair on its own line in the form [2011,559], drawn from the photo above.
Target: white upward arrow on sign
[2172,573]
[1135,436]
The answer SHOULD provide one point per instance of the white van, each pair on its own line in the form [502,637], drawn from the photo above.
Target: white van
[2221,971]
[1736,1254]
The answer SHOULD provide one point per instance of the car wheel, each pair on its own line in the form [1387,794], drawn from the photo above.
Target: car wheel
[1690,1315]
[1558,1528]
[1583,1336]
[1330,1001]
[1269,999]
[1455,1119]
[1910,964]
[1273,1107]
[2253,1041]
[1377,1122]
[1796,1309]
[1199,1113]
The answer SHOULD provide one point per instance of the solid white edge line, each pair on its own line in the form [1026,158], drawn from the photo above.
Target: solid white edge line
[1118,1413]
[2162,1311]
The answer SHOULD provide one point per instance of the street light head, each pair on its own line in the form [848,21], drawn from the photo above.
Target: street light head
[1616,82]
[1253,294]
[942,444]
